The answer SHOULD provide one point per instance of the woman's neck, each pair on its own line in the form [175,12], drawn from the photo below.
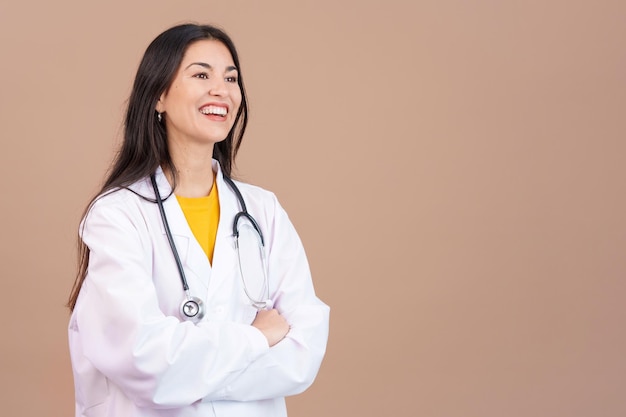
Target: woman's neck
[194,172]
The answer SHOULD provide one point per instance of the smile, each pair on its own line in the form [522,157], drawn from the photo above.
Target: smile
[216,110]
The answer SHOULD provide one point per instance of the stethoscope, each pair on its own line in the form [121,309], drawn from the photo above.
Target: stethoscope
[193,308]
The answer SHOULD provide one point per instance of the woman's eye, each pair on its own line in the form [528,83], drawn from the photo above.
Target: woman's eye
[231,79]
[202,75]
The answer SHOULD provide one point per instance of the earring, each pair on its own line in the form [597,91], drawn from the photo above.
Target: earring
[159,117]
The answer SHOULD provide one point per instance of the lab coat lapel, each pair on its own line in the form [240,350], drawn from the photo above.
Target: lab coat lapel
[224,255]
[193,258]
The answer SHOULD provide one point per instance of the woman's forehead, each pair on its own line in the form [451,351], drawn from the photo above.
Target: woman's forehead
[209,51]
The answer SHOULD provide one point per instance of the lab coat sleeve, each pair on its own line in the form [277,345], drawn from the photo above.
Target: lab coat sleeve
[289,367]
[156,360]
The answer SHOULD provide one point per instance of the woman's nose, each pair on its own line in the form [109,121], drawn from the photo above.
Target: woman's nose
[218,88]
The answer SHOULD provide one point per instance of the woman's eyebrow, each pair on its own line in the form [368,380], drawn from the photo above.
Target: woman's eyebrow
[209,67]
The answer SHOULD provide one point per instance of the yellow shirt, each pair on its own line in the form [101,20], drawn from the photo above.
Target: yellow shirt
[203,216]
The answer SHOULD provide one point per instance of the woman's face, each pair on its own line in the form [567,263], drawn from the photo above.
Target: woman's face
[201,105]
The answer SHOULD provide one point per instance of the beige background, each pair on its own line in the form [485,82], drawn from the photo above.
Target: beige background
[455,169]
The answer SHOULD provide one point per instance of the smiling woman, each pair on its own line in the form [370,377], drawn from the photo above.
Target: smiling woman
[242,328]
[201,104]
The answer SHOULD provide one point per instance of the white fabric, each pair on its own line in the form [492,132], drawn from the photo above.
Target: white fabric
[132,355]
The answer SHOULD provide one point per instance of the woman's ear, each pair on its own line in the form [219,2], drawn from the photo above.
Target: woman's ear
[160,108]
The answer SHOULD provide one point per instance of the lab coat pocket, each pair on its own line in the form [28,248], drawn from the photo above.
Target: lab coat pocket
[97,410]
[96,396]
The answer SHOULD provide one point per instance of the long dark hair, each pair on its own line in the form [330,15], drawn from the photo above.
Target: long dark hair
[144,147]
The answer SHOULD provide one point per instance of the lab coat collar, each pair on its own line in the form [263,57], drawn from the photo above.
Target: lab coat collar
[191,254]
[175,216]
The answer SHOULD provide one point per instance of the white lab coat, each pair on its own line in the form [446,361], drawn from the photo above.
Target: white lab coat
[132,355]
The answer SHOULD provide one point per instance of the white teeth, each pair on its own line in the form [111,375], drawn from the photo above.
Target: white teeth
[221,111]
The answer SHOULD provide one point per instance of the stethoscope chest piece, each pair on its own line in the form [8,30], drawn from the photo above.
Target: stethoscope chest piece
[192,308]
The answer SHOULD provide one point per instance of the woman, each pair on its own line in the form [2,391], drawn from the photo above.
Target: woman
[171,316]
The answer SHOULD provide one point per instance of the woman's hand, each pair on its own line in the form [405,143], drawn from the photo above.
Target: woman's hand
[273,326]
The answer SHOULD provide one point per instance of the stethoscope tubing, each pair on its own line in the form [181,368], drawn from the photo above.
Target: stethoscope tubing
[193,303]
[168,232]
[243,212]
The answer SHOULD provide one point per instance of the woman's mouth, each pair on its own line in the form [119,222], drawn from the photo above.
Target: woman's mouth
[214,110]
